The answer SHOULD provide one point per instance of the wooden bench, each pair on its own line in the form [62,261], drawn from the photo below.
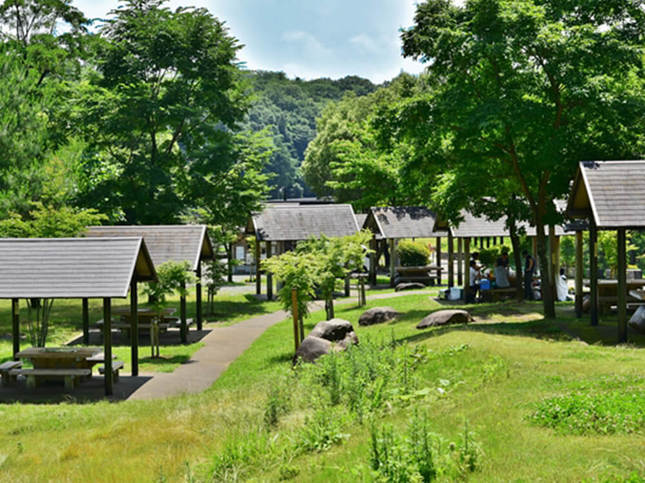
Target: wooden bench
[497,293]
[70,376]
[116,367]
[5,369]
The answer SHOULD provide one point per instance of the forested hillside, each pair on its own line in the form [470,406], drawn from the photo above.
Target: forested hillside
[289,108]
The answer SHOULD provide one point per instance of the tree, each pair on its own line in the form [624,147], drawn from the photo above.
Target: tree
[166,102]
[536,85]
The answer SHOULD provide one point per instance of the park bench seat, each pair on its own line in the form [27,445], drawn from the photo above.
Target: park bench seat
[116,367]
[5,369]
[70,376]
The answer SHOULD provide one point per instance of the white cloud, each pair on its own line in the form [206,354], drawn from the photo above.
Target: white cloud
[364,43]
[311,45]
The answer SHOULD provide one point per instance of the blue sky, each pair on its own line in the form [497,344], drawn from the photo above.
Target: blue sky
[310,38]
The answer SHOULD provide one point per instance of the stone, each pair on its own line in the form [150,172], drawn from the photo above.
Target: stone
[637,322]
[409,286]
[333,330]
[445,317]
[312,348]
[378,315]
[350,339]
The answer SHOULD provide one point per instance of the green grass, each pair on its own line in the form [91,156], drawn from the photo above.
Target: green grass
[170,357]
[493,374]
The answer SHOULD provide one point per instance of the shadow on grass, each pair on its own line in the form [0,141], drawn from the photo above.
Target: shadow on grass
[226,310]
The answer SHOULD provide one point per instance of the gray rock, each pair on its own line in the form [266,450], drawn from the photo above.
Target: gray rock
[350,339]
[637,322]
[333,330]
[378,315]
[409,286]
[445,317]
[312,348]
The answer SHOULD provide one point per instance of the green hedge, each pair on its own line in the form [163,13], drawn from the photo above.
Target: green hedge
[413,254]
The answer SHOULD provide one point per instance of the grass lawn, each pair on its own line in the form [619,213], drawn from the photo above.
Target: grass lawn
[492,375]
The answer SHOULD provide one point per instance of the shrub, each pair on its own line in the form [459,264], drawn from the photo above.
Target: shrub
[413,254]
[586,413]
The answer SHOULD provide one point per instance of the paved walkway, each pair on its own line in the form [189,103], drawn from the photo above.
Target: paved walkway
[221,347]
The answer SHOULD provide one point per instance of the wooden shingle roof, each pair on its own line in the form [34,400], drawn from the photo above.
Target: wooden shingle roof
[72,267]
[176,243]
[296,223]
[397,222]
[612,192]
[360,220]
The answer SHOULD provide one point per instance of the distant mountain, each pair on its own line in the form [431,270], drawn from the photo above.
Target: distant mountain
[290,108]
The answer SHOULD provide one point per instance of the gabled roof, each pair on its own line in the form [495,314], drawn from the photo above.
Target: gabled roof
[176,243]
[612,192]
[72,267]
[296,223]
[473,226]
[397,222]
[360,220]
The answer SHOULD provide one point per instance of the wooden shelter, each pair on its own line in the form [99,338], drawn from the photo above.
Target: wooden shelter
[611,196]
[177,243]
[393,223]
[81,268]
[286,225]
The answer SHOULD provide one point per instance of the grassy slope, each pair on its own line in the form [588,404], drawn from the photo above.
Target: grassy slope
[493,384]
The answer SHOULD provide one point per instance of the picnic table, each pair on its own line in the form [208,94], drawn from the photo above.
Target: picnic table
[71,364]
[608,292]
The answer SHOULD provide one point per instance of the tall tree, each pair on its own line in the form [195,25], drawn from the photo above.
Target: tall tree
[167,99]
[537,85]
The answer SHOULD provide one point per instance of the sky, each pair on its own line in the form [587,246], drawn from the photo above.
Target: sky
[309,38]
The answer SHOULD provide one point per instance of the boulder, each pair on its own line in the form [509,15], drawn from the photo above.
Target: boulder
[378,315]
[312,348]
[445,317]
[350,339]
[637,322]
[333,330]
[409,286]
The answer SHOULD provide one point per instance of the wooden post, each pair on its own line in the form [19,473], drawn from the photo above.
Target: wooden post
[15,326]
[198,296]
[622,286]
[579,273]
[460,261]
[392,261]
[182,315]
[258,262]
[373,261]
[294,313]
[229,262]
[134,327]
[438,252]
[347,288]
[107,345]
[451,261]
[269,276]
[593,267]
[552,257]
[363,299]
[536,260]
[86,321]
[466,263]
[481,242]
[487,242]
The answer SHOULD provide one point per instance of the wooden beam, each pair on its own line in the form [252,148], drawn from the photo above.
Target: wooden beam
[183,329]
[258,263]
[460,261]
[593,267]
[107,345]
[134,327]
[579,274]
[198,296]
[269,276]
[392,243]
[466,262]
[622,285]
[15,326]
[438,251]
[86,321]
[451,261]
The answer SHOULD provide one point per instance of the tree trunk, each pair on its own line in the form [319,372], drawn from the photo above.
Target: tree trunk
[548,300]
[329,308]
[517,256]
[229,249]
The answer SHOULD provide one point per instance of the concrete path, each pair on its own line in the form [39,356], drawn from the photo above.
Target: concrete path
[221,347]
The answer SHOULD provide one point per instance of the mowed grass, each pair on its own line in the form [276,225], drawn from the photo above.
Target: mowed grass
[494,373]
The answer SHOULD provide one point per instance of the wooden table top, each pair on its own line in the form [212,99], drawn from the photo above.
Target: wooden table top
[143,311]
[59,352]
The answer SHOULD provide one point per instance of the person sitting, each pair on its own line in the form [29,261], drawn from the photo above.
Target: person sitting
[562,288]
[501,272]
[475,277]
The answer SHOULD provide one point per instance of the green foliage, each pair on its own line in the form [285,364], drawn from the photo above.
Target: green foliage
[320,432]
[421,455]
[593,413]
[172,277]
[49,222]
[277,404]
[413,253]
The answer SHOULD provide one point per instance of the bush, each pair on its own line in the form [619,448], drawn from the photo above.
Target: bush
[413,254]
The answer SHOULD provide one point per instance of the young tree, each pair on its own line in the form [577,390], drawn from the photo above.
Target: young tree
[164,106]
[536,85]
